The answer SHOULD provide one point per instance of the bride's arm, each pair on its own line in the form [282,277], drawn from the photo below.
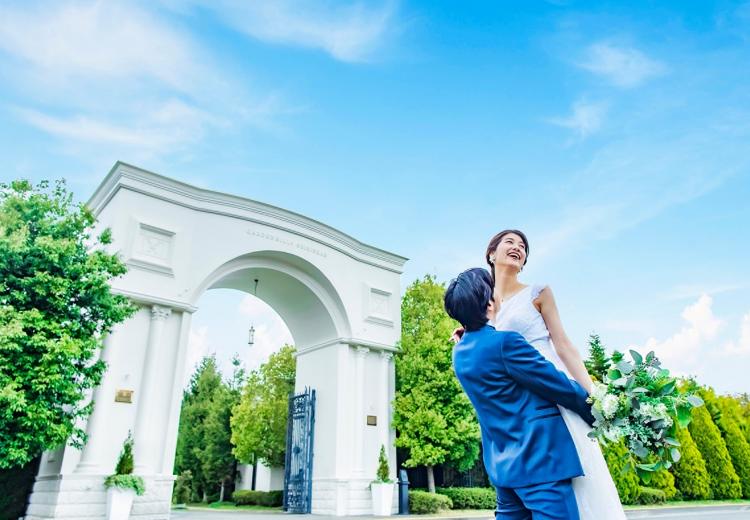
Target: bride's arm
[568,353]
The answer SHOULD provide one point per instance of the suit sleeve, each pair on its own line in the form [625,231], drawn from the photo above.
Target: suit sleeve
[533,371]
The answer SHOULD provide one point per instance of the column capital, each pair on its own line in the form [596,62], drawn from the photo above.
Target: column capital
[160,313]
[386,355]
[362,351]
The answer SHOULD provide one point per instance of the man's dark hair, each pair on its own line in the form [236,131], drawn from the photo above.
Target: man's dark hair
[467,297]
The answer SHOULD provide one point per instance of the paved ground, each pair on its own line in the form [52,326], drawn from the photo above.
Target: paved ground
[689,513]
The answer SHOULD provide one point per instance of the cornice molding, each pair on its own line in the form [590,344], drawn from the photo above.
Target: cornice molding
[126,176]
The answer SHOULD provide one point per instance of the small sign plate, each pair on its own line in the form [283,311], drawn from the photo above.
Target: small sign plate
[124,396]
[372,420]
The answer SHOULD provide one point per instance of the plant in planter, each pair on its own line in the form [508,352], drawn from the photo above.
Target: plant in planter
[382,487]
[122,486]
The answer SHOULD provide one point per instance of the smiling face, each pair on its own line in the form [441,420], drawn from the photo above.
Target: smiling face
[510,251]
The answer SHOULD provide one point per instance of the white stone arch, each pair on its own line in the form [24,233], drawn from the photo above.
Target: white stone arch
[286,274]
[339,297]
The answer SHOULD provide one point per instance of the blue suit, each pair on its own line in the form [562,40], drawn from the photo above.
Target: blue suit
[528,451]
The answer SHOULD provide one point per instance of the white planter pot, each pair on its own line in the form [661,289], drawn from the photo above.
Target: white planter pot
[382,499]
[119,502]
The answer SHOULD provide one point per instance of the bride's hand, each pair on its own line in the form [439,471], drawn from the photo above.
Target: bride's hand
[457,335]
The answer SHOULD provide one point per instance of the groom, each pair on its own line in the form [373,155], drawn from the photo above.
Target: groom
[528,452]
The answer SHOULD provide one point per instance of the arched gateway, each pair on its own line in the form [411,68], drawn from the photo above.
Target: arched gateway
[339,298]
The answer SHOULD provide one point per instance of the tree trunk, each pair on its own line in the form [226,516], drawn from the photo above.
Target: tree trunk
[430,479]
[205,496]
[221,493]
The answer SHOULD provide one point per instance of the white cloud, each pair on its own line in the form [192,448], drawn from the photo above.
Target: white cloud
[167,127]
[630,181]
[685,291]
[742,346]
[69,42]
[347,31]
[622,66]
[124,81]
[585,119]
[681,351]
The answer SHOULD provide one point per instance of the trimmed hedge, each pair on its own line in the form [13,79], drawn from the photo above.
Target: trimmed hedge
[649,495]
[725,483]
[737,446]
[470,498]
[663,481]
[247,497]
[690,473]
[422,502]
[616,455]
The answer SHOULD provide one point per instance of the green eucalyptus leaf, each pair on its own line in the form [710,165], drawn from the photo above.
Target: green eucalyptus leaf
[668,389]
[695,401]
[625,367]
[675,454]
[637,358]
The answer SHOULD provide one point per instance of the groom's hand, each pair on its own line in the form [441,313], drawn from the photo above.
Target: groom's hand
[457,334]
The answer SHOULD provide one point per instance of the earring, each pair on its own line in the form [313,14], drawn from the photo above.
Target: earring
[492,258]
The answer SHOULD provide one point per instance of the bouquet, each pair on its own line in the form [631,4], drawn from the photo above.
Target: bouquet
[639,402]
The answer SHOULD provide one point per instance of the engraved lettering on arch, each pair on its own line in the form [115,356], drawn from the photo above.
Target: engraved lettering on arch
[287,242]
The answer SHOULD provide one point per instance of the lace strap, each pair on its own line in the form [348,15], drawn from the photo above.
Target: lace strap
[536,290]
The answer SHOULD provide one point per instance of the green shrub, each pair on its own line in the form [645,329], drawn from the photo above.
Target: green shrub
[126,482]
[690,473]
[626,481]
[383,473]
[422,502]
[737,445]
[725,483]
[470,498]
[649,495]
[247,497]
[182,492]
[663,481]
[123,476]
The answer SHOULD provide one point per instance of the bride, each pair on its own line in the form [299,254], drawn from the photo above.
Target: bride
[530,310]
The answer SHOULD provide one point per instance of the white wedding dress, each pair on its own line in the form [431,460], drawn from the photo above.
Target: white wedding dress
[595,492]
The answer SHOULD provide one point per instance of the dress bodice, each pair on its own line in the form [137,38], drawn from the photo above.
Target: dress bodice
[519,314]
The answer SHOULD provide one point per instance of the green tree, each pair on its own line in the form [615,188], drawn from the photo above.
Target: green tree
[598,362]
[626,481]
[203,440]
[56,305]
[725,483]
[432,416]
[259,420]
[690,473]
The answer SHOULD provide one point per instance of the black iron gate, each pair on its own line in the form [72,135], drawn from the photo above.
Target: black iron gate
[299,453]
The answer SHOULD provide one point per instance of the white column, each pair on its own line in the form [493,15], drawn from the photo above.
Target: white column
[170,439]
[92,456]
[384,419]
[359,411]
[143,437]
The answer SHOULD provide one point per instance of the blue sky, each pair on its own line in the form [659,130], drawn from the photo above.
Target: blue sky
[614,133]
